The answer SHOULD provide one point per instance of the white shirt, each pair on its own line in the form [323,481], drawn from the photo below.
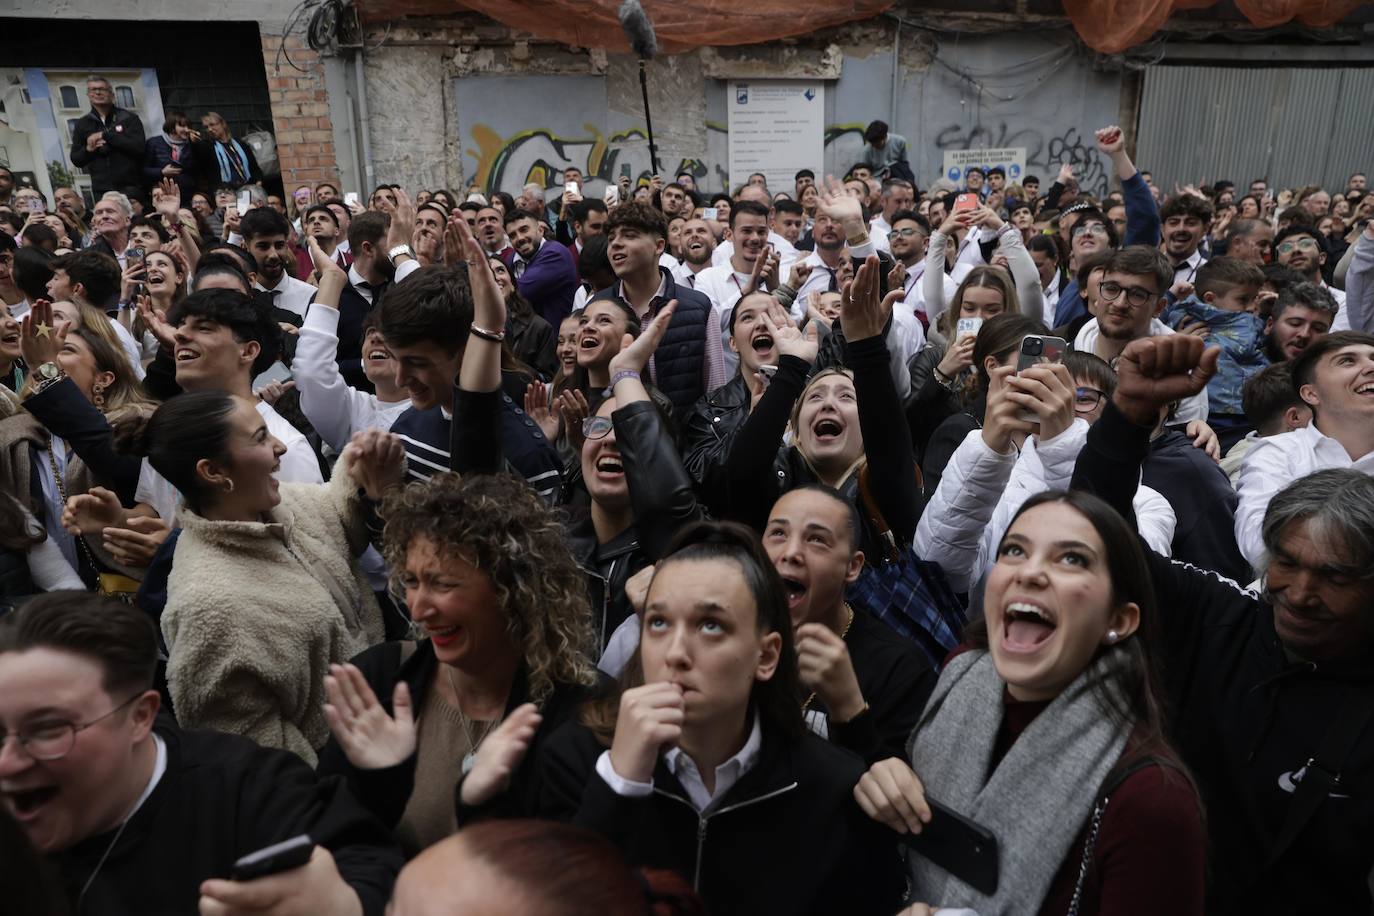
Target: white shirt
[298,465]
[1274,462]
[684,768]
[131,348]
[290,294]
[787,252]
[723,285]
[1051,294]
[1342,320]
[1187,270]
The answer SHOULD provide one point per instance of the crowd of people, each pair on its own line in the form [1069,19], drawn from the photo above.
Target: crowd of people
[853,547]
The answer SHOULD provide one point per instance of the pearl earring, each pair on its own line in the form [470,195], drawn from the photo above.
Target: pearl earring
[1112,636]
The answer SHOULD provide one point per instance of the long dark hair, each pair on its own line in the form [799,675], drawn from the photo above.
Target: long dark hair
[178,435]
[999,337]
[580,378]
[1133,696]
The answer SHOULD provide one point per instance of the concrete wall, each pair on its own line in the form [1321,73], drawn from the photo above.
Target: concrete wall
[515,112]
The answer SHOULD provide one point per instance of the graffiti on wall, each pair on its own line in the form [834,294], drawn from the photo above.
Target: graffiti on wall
[1044,153]
[539,155]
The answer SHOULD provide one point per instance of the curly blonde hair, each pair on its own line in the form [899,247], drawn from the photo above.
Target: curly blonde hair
[499,524]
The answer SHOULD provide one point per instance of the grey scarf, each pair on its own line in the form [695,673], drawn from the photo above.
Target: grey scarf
[1037,799]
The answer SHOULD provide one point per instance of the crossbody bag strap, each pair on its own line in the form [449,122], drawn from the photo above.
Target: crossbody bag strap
[1104,796]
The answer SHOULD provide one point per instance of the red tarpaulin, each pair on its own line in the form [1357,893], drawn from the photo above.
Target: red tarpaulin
[1108,26]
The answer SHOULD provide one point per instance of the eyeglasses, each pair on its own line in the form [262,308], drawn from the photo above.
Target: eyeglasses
[55,740]
[1110,290]
[1085,400]
[1093,228]
[597,427]
[904,233]
[1305,244]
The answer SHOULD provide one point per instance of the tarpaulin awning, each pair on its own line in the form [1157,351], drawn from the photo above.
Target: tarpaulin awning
[1108,26]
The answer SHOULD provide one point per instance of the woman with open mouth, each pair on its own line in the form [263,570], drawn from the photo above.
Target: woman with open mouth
[1046,731]
[846,425]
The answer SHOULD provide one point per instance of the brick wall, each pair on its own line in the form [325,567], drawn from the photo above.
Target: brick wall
[300,113]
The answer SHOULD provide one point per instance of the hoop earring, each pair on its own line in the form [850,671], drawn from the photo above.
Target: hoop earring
[228,486]
[98,396]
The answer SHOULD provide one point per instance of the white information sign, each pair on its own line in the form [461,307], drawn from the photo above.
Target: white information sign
[777,127]
[1012,160]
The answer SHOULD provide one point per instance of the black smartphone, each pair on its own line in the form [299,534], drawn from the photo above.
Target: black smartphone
[271,860]
[966,850]
[625,170]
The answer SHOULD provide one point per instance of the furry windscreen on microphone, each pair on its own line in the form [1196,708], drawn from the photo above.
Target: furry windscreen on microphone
[638,29]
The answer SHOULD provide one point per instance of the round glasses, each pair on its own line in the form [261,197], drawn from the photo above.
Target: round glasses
[1085,400]
[1110,290]
[1305,244]
[1089,228]
[597,427]
[53,740]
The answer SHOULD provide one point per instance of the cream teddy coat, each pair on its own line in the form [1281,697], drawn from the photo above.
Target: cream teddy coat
[257,611]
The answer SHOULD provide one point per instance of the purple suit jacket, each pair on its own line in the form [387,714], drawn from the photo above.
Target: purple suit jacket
[549,282]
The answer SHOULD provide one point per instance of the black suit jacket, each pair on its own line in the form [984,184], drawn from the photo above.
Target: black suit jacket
[353,308]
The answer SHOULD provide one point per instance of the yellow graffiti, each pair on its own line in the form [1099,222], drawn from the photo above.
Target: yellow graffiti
[493,153]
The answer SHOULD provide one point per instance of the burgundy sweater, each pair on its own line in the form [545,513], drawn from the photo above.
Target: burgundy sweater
[1150,852]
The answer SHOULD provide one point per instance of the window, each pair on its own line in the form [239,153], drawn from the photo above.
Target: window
[71,127]
[124,97]
[69,98]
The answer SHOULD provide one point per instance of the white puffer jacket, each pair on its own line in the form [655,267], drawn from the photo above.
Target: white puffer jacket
[982,490]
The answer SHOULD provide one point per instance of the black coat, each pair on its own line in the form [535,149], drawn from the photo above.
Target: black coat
[208,164]
[1204,502]
[386,792]
[118,165]
[787,838]
[1249,719]
[221,798]
[534,342]
[708,434]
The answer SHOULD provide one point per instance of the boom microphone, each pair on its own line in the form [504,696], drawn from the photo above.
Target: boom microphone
[638,29]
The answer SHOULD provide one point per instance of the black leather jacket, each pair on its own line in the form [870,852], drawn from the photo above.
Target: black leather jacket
[708,433]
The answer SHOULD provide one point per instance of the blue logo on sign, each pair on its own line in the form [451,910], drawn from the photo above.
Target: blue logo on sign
[742,95]
[809,94]
[954,173]
[1015,170]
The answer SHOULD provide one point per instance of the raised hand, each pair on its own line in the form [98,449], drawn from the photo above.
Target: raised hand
[836,203]
[324,264]
[500,755]
[796,277]
[987,218]
[273,390]
[1002,416]
[635,351]
[134,273]
[788,339]
[316,888]
[890,793]
[402,228]
[1205,438]
[650,720]
[369,738]
[956,220]
[1110,140]
[958,357]
[376,461]
[155,320]
[1153,372]
[167,198]
[825,666]
[1066,173]
[862,313]
[572,404]
[1047,391]
[39,340]
[537,406]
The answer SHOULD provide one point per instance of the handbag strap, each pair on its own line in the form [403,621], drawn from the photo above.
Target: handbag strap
[1322,771]
[875,515]
[1095,824]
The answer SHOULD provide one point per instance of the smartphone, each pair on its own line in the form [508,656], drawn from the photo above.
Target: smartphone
[245,201]
[571,188]
[37,206]
[350,199]
[1036,350]
[274,859]
[967,202]
[966,850]
[967,326]
[625,170]
[612,196]
[709,214]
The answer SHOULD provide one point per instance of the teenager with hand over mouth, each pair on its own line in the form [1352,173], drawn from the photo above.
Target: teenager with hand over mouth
[708,753]
[1047,731]
[265,592]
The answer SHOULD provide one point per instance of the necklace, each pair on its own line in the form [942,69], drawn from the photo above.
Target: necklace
[473,738]
[849,622]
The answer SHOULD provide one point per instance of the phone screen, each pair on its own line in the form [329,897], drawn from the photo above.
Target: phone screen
[625,170]
[709,214]
[571,188]
[351,199]
[245,202]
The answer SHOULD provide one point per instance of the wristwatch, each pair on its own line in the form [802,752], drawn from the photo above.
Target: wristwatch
[47,375]
[399,250]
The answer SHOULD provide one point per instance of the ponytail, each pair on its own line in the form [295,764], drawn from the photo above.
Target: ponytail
[184,430]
